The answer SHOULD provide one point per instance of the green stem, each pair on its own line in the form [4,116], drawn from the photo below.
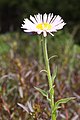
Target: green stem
[51,89]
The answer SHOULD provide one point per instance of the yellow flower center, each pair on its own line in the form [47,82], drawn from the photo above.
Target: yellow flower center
[44,26]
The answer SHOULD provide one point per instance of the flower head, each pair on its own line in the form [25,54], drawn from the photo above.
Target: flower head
[43,24]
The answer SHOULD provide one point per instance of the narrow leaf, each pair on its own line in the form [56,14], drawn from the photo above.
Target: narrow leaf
[53,57]
[43,92]
[64,100]
[49,100]
[54,74]
[43,71]
[52,90]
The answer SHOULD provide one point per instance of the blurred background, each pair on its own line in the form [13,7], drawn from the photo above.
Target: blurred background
[21,61]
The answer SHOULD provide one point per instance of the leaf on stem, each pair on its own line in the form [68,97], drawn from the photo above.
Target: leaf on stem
[43,71]
[51,90]
[54,74]
[53,57]
[64,100]
[44,93]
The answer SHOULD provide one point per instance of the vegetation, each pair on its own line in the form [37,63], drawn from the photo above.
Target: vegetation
[20,72]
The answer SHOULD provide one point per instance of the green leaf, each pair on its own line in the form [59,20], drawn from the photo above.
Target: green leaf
[43,71]
[49,100]
[54,74]
[43,92]
[51,90]
[53,57]
[64,100]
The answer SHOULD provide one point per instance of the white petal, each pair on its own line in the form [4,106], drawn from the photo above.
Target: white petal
[33,19]
[52,30]
[28,31]
[50,16]
[39,32]
[53,19]
[27,21]
[28,25]
[45,18]
[41,18]
[44,33]
[57,20]
[38,18]
[51,33]
[60,26]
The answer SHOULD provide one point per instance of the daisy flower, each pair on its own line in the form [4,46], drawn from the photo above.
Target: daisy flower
[43,24]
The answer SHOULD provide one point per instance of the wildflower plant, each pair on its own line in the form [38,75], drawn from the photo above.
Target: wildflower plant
[47,24]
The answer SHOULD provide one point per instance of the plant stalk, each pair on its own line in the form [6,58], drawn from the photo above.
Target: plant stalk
[51,89]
